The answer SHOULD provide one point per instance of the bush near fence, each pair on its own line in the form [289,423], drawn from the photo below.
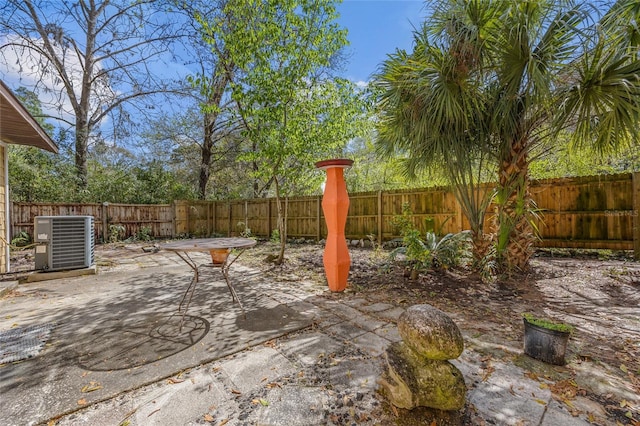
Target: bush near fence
[595,212]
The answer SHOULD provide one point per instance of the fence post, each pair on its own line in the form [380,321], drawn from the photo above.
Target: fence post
[246,214]
[380,228]
[12,220]
[173,219]
[318,210]
[229,219]
[636,212]
[208,206]
[268,218]
[285,219]
[214,217]
[105,222]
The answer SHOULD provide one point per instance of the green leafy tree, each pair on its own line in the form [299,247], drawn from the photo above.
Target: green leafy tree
[211,82]
[175,141]
[368,173]
[292,111]
[36,175]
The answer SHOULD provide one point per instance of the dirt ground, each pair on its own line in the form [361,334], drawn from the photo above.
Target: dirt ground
[599,296]
[597,293]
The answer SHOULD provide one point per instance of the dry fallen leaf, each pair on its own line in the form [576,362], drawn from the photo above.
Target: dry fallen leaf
[82,401]
[236,392]
[487,373]
[395,410]
[208,418]
[224,422]
[532,376]
[363,417]
[568,403]
[92,386]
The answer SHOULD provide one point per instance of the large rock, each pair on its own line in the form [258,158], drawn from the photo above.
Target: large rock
[414,381]
[430,333]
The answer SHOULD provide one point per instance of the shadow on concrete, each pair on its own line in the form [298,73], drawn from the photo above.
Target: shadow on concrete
[142,341]
[120,331]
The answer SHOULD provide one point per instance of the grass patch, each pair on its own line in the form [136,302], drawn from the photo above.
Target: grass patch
[548,324]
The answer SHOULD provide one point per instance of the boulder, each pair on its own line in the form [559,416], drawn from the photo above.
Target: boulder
[430,333]
[413,381]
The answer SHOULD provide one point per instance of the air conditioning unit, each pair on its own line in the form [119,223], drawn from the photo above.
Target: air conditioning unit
[64,242]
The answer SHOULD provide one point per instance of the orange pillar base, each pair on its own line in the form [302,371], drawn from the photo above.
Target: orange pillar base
[337,263]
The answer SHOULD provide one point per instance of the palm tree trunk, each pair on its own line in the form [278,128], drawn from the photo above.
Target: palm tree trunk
[516,237]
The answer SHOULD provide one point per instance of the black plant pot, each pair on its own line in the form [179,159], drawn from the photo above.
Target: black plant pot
[544,344]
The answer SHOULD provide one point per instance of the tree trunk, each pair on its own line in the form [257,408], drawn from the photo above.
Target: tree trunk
[481,243]
[282,229]
[205,157]
[516,237]
[81,148]
[220,79]
[254,166]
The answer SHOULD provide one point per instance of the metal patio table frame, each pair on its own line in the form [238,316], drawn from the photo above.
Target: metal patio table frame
[212,245]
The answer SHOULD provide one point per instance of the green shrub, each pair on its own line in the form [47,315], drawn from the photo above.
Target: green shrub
[21,240]
[432,252]
[244,230]
[144,234]
[115,233]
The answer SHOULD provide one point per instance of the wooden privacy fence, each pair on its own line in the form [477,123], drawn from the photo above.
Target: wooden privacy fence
[128,219]
[597,212]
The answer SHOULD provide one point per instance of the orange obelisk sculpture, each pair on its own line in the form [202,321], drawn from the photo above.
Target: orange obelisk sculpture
[335,205]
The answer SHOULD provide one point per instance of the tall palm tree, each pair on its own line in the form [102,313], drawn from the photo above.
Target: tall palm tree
[513,75]
[433,112]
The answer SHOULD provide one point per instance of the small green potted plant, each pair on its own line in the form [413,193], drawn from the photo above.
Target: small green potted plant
[546,340]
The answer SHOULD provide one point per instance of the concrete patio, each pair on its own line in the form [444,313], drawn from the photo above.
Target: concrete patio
[114,354]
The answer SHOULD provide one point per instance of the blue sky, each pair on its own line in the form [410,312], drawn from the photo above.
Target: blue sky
[376,29]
